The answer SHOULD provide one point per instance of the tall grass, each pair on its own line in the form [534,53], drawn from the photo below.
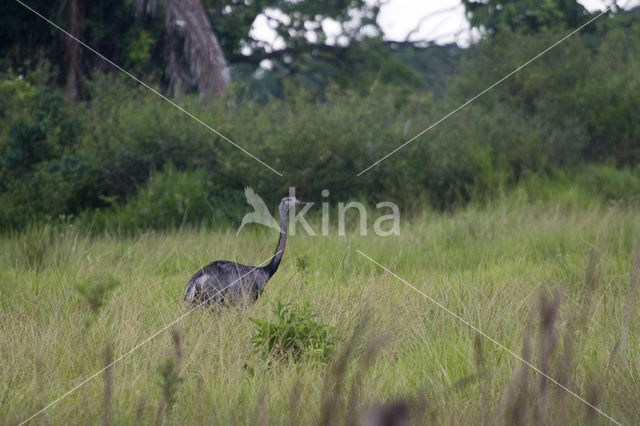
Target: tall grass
[524,272]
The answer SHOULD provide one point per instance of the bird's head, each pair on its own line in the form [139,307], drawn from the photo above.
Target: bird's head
[291,201]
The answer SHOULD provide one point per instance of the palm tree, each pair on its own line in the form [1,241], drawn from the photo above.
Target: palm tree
[73,52]
[186,21]
[207,65]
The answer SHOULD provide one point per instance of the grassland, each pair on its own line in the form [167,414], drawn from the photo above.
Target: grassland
[492,265]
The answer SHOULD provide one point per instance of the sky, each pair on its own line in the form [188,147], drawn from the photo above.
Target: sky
[442,21]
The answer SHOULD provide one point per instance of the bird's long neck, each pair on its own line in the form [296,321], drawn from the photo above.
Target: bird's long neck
[272,267]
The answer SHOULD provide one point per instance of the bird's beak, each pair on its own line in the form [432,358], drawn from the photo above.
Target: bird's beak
[301,203]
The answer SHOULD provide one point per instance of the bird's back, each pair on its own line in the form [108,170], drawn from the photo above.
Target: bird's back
[225,282]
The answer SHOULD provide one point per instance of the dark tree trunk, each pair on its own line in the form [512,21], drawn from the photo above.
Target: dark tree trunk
[72,56]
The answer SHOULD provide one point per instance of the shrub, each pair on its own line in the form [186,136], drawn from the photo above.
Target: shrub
[41,174]
[141,163]
[16,96]
[169,382]
[170,198]
[611,183]
[294,334]
[133,134]
[96,291]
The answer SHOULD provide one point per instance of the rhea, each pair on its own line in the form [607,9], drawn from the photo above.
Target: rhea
[232,283]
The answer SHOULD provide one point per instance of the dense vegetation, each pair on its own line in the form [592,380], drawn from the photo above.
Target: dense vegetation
[519,216]
[518,269]
[120,157]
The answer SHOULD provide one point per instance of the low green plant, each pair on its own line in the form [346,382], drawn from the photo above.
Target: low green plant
[169,382]
[96,291]
[294,334]
[611,183]
[302,263]
[170,199]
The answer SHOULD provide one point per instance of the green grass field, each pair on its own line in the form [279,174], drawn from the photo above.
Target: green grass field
[491,265]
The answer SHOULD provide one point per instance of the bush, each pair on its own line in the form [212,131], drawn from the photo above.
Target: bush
[134,133]
[170,381]
[41,173]
[95,291]
[611,183]
[170,198]
[141,163]
[16,96]
[294,334]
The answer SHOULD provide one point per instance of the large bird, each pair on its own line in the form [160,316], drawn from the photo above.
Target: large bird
[233,283]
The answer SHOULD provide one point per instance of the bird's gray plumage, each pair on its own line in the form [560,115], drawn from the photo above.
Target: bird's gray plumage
[223,281]
[228,282]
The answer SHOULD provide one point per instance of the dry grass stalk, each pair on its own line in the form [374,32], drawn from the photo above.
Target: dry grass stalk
[629,306]
[108,386]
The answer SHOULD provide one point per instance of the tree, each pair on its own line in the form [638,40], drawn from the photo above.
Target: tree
[195,45]
[73,51]
[207,67]
[524,15]
[183,44]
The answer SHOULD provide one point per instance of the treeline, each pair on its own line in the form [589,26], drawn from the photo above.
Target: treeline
[123,156]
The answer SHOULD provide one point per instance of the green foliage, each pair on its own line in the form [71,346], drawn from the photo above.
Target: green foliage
[169,382]
[137,34]
[140,50]
[302,263]
[95,291]
[122,159]
[112,27]
[41,173]
[612,183]
[575,101]
[43,135]
[170,199]
[293,334]
[133,134]
[15,101]
[494,16]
